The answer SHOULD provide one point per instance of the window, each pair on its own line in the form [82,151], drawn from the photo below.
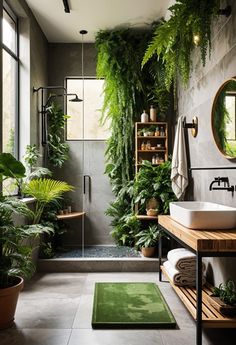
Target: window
[10,81]
[84,121]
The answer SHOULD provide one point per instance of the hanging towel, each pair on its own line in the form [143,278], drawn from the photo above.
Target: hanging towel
[180,278]
[179,168]
[183,260]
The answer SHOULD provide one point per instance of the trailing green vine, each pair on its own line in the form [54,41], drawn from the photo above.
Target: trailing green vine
[58,149]
[173,40]
[128,90]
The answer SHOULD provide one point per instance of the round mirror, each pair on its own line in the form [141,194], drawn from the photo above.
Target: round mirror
[223,118]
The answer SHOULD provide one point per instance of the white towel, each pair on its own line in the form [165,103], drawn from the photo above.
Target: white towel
[179,168]
[182,259]
[180,278]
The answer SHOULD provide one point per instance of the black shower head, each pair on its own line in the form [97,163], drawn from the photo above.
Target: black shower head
[76,99]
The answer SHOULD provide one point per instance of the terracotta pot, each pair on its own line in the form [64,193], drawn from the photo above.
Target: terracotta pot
[152,212]
[148,251]
[8,301]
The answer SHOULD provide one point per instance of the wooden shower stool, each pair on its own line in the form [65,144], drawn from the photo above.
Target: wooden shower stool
[70,215]
[214,243]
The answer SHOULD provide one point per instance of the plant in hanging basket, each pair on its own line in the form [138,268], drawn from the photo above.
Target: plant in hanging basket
[223,298]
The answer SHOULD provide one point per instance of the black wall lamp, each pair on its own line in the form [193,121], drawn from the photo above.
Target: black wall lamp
[66,6]
[43,108]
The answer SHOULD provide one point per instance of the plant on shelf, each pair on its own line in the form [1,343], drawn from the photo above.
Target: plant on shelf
[147,240]
[154,182]
[226,292]
[58,150]
[174,40]
[16,242]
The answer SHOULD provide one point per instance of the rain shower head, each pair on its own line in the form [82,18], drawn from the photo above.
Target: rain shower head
[76,99]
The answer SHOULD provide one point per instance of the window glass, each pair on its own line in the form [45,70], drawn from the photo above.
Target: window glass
[9,32]
[9,102]
[86,126]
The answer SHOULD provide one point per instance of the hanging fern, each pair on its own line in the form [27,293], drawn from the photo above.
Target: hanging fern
[173,39]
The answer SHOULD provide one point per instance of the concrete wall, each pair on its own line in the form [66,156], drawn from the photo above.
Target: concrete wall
[85,157]
[197,100]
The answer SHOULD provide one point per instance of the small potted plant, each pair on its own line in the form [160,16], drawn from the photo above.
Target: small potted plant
[145,131]
[223,298]
[151,130]
[147,240]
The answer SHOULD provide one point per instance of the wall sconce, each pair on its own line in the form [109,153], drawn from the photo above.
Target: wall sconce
[43,109]
[193,125]
[196,39]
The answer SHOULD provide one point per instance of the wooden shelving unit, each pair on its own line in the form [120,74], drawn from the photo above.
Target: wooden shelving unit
[70,215]
[144,154]
[211,318]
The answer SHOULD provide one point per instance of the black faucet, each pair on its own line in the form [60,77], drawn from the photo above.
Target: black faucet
[219,180]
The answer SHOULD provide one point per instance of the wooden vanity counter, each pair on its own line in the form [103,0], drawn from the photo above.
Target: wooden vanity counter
[201,240]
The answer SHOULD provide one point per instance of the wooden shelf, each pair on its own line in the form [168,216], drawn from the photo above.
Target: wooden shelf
[70,215]
[152,137]
[201,240]
[211,318]
[152,123]
[140,164]
[145,217]
[160,150]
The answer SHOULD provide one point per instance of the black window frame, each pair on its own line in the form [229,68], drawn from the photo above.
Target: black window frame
[16,57]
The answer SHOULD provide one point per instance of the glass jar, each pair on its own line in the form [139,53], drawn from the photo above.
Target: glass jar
[157,132]
[148,146]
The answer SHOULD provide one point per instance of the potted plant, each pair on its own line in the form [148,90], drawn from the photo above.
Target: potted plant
[153,182]
[223,298]
[15,250]
[147,240]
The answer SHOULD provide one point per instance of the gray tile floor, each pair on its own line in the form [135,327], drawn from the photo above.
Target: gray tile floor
[56,309]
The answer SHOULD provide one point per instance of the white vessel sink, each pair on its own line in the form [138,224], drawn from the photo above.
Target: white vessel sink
[203,215]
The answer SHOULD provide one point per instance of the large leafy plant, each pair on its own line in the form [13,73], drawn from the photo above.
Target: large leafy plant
[15,254]
[154,182]
[173,40]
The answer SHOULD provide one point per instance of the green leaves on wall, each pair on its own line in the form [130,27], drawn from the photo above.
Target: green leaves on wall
[173,40]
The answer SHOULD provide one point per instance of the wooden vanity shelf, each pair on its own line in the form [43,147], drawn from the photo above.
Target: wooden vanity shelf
[204,243]
[70,215]
[211,318]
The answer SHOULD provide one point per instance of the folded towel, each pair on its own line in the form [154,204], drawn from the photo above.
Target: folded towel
[183,260]
[179,168]
[179,278]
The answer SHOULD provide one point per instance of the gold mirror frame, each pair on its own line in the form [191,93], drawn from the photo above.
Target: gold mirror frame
[214,130]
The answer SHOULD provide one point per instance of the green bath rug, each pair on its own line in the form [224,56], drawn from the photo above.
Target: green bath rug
[130,305]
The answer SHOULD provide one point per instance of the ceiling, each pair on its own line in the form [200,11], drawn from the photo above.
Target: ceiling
[93,15]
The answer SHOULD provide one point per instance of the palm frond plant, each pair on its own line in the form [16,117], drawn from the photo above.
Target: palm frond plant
[45,191]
